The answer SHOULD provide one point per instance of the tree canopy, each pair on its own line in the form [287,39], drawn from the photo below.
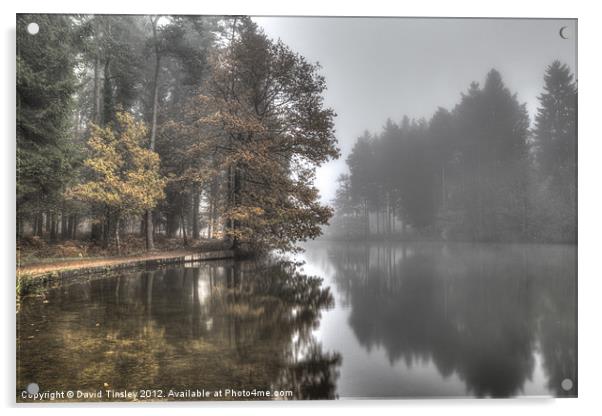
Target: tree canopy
[180,123]
[477,172]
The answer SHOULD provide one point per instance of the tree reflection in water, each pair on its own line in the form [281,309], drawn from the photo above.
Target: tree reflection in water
[221,325]
[478,311]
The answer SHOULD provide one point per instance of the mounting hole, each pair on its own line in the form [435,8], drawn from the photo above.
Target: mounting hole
[566,384]
[33,28]
[33,388]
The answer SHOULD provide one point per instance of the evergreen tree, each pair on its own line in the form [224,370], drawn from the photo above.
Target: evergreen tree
[555,133]
[45,88]
[493,129]
[555,145]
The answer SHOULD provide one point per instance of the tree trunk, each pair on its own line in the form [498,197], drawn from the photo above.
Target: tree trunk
[39,225]
[96,115]
[366,219]
[150,244]
[443,188]
[210,222]
[106,230]
[53,226]
[172,223]
[117,242]
[237,202]
[47,223]
[183,225]
[195,214]
[64,225]
[107,93]
[19,227]
[74,227]
[143,225]
[96,234]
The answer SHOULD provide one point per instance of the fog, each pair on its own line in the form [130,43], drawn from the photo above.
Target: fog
[377,68]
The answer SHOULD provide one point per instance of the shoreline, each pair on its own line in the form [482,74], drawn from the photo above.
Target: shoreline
[41,274]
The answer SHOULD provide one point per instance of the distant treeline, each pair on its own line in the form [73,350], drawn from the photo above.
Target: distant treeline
[476,173]
[184,126]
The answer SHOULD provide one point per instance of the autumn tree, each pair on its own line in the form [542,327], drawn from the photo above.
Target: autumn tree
[261,119]
[124,174]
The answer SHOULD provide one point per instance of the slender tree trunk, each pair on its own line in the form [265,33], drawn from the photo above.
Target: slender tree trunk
[39,225]
[443,188]
[70,225]
[64,225]
[19,227]
[366,219]
[195,214]
[150,244]
[148,216]
[210,222]
[74,222]
[47,223]
[106,232]
[237,201]
[231,205]
[183,225]
[107,93]
[96,115]
[117,241]
[53,227]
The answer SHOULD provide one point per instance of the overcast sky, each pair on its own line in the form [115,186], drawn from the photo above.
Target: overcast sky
[377,68]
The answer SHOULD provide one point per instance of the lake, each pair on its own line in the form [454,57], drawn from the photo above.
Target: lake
[355,320]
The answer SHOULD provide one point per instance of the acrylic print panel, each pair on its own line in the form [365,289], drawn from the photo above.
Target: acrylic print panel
[207,213]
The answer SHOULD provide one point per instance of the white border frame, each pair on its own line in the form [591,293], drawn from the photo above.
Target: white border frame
[590,145]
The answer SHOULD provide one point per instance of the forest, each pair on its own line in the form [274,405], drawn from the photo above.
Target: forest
[480,172]
[140,132]
[150,131]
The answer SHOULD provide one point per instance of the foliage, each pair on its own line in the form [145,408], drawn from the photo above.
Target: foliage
[239,125]
[259,122]
[124,174]
[470,173]
[555,146]
[45,85]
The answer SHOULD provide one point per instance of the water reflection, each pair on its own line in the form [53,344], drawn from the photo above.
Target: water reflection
[389,320]
[226,325]
[480,314]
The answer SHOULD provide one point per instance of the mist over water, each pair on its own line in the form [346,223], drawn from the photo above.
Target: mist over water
[435,319]
[386,320]
[379,68]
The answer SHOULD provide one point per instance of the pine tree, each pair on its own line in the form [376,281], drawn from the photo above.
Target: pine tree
[45,87]
[555,145]
[555,133]
[493,129]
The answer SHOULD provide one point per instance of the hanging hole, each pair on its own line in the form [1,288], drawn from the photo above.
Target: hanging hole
[33,388]
[567,384]
[33,28]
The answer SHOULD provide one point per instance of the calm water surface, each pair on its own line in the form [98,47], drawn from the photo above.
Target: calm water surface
[356,320]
